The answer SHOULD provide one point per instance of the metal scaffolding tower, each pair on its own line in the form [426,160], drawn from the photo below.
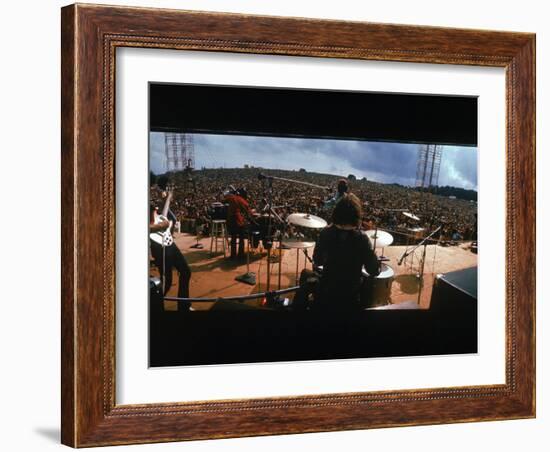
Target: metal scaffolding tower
[428,164]
[180,151]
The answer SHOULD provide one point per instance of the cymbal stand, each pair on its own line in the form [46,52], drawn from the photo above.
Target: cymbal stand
[249,277]
[270,180]
[307,257]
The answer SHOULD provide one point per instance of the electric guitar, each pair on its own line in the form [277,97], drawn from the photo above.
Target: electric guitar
[164,238]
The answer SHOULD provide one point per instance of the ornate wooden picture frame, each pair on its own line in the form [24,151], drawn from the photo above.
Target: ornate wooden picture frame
[90,37]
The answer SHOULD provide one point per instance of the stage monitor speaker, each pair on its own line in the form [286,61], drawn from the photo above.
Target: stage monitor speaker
[455,291]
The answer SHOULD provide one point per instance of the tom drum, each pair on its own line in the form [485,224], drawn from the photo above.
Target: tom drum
[376,291]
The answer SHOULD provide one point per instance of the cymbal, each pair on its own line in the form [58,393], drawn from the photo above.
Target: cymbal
[306,220]
[411,216]
[294,243]
[383,238]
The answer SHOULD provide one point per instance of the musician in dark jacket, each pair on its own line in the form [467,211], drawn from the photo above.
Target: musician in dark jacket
[167,256]
[343,250]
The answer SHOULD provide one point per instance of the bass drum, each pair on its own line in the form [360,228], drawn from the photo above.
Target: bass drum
[377,291]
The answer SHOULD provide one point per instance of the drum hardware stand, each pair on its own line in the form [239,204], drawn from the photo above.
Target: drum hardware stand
[197,245]
[269,244]
[249,277]
[269,241]
[421,275]
[382,257]
[307,256]
[297,264]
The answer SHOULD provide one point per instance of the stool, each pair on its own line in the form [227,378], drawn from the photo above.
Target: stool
[218,232]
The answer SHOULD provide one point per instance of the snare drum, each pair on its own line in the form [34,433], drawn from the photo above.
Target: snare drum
[416,233]
[377,291]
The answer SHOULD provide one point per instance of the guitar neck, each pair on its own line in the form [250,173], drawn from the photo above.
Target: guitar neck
[166,207]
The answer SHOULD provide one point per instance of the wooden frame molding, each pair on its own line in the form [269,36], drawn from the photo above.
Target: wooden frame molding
[90,36]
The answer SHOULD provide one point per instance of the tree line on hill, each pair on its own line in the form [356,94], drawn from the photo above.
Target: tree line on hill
[459,193]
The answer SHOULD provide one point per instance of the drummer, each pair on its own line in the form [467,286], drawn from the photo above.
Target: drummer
[343,250]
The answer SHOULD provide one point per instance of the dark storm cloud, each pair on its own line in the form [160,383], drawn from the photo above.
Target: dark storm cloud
[377,161]
[385,162]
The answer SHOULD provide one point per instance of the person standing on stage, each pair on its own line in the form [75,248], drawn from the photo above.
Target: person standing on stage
[341,190]
[343,250]
[166,254]
[238,219]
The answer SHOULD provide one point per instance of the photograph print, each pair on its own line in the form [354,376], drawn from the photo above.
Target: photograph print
[297,225]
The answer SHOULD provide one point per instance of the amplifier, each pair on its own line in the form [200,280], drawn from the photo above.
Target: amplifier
[455,291]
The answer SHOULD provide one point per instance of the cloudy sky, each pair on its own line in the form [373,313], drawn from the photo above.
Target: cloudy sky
[377,161]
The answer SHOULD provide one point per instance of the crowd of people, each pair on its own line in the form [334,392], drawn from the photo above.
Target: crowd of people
[383,204]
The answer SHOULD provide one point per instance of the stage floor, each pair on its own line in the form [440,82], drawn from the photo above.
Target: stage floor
[213,275]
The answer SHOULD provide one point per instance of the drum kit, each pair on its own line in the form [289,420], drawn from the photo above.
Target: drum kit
[415,232]
[299,232]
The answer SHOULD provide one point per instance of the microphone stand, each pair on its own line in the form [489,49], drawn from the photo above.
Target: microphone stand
[269,244]
[249,277]
[263,176]
[424,243]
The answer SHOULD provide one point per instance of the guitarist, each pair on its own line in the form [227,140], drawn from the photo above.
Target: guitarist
[165,252]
